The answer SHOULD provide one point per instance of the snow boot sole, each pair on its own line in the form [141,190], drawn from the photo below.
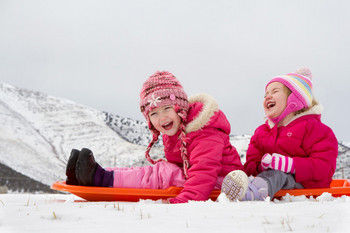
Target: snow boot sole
[235,185]
[70,169]
[85,168]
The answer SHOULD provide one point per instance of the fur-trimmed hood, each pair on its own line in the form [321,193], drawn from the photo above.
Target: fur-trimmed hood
[315,110]
[201,119]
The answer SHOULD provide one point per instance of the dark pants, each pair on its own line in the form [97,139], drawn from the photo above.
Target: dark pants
[278,180]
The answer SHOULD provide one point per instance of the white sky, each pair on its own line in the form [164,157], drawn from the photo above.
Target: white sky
[98,53]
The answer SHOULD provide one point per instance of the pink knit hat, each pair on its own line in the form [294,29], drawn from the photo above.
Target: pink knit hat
[300,84]
[162,88]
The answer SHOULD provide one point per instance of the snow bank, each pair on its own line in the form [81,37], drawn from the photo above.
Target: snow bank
[57,213]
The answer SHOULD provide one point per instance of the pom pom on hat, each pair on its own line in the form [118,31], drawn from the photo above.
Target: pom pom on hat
[304,72]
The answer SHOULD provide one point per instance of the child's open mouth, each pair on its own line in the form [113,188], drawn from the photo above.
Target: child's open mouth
[270,105]
[168,125]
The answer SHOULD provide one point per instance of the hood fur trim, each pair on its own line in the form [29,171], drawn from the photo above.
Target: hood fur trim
[210,106]
[315,110]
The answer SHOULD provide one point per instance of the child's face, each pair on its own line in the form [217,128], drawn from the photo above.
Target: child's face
[275,99]
[165,120]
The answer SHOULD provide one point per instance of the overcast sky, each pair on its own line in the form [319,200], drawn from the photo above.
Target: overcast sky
[99,53]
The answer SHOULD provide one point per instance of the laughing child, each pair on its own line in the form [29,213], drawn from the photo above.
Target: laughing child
[293,149]
[196,142]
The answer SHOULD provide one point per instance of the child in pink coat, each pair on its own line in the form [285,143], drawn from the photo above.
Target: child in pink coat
[196,142]
[293,149]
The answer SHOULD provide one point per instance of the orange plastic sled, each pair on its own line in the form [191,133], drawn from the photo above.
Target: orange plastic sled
[338,188]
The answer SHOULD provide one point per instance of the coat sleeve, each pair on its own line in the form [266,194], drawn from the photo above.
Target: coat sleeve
[253,157]
[205,155]
[321,147]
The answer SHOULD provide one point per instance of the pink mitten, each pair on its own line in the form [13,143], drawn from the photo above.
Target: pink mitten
[266,161]
[278,162]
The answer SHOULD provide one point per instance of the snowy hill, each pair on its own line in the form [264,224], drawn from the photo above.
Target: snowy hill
[38,132]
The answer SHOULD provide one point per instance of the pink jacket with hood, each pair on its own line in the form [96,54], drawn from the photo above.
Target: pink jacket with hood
[312,145]
[210,154]
[209,150]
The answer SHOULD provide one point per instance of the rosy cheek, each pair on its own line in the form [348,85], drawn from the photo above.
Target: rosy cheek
[264,104]
[153,121]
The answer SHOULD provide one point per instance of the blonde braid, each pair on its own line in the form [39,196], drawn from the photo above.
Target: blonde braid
[186,164]
[155,135]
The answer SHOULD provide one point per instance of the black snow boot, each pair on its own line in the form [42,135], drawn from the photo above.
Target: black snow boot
[85,168]
[70,169]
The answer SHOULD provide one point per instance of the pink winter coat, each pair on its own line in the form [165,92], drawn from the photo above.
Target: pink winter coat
[311,143]
[209,150]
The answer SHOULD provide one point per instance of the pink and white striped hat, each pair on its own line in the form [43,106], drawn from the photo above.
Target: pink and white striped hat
[300,84]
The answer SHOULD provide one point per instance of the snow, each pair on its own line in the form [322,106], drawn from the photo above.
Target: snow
[68,213]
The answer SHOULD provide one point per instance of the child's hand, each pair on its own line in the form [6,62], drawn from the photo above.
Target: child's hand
[266,161]
[278,162]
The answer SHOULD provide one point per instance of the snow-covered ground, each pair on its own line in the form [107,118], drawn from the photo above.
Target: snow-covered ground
[57,213]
